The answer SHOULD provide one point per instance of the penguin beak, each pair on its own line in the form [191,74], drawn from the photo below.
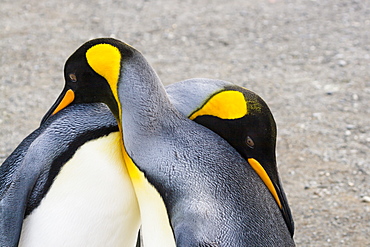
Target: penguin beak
[65,98]
[265,178]
[277,192]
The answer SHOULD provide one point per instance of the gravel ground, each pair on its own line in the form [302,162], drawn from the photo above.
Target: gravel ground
[307,59]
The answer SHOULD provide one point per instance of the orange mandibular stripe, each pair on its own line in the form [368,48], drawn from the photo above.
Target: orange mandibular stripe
[67,99]
[265,178]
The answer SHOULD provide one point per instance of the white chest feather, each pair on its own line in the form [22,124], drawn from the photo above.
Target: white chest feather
[90,203]
[155,227]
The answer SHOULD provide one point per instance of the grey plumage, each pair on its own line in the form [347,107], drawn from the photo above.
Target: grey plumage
[190,94]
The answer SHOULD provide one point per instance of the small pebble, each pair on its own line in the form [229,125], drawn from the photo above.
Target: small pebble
[330,89]
[350,126]
[342,63]
[317,115]
[365,199]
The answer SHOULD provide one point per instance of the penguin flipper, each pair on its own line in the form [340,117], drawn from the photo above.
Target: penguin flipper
[13,205]
[16,183]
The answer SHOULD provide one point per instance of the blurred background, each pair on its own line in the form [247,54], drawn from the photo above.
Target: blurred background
[309,60]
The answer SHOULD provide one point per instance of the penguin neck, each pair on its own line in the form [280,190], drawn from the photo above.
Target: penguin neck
[144,102]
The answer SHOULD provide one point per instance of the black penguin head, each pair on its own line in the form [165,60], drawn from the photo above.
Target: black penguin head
[92,73]
[243,119]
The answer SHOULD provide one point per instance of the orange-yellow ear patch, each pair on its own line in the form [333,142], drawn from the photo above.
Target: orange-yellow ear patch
[105,60]
[224,105]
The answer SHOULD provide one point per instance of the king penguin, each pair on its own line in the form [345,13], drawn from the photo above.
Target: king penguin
[212,196]
[66,184]
[243,119]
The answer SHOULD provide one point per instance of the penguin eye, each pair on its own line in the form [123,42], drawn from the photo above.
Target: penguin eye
[72,77]
[249,142]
